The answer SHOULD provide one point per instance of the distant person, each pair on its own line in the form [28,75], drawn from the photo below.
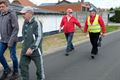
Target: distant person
[94,25]
[68,25]
[32,45]
[8,39]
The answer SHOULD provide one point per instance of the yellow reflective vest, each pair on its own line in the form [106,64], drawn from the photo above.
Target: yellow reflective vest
[95,27]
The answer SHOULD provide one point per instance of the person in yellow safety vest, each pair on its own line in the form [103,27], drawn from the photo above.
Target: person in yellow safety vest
[95,26]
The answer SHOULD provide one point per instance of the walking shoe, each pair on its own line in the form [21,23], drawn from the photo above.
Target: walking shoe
[66,54]
[5,74]
[92,56]
[14,76]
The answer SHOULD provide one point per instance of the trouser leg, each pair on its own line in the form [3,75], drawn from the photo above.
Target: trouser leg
[38,60]
[94,42]
[69,37]
[3,47]
[14,57]
[24,67]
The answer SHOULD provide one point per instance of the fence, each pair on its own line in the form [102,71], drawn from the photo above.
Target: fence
[81,16]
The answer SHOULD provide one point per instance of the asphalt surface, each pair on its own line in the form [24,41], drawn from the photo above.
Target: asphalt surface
[79,65]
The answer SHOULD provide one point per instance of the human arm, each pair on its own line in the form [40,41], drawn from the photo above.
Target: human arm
[14,25]
[101,22]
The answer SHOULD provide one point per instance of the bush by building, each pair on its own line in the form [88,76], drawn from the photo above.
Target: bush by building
[116,17]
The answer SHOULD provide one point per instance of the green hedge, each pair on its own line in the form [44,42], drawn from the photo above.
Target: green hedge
[116,17]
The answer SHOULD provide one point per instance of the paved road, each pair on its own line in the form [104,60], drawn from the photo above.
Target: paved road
[79,65]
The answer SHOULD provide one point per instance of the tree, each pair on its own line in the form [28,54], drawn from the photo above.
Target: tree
[111,9]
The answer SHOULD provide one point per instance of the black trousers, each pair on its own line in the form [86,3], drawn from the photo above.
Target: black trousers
[94,42]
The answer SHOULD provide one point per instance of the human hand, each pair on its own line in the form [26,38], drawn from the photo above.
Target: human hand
[29,51]
[60,30]
[9,45]
[103,34]
[82,29]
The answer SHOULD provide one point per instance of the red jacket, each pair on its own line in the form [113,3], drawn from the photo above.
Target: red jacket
[101,22]
[69,25]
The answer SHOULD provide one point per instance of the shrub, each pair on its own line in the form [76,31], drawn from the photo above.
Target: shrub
[116,17]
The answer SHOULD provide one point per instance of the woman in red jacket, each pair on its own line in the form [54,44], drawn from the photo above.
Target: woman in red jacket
[68,25]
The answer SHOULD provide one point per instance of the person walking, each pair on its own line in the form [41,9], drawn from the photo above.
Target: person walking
[8,39]
[95,26]
[32,45]
[68,25]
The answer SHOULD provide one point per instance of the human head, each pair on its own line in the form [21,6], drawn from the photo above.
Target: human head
[27,13]
[69,11]
[3,6]
[92,11]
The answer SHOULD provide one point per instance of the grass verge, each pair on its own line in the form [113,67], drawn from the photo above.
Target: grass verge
[58,40]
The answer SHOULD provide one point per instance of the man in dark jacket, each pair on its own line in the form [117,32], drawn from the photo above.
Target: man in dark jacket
[8,37]
[32,44]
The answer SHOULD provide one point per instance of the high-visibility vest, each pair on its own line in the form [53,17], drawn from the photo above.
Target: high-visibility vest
[95,27]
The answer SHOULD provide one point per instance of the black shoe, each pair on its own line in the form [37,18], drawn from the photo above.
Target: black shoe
[73,49]
[93,56]
[5,74]
[14,76]
[66,54]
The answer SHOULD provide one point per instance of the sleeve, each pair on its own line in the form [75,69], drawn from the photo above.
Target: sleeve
[101,22]
[86,26]
[77,22]
[14,24]
[37,35]
[62,22]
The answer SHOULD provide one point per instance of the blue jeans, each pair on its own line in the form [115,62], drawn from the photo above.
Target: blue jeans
[3,47]
[69,37]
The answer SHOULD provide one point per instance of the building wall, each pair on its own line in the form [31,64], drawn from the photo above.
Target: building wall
[81,16]
[50,22]
[63,8]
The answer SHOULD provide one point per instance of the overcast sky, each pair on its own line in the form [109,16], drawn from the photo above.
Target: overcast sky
[97,3]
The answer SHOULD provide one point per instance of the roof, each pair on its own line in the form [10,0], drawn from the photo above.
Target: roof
[23,2]
[64,2]
[47,4]
[18,8]
[59,2]
[62,8]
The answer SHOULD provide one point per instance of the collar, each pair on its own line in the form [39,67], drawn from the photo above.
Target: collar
[69,16]
[31,20]
[4,13]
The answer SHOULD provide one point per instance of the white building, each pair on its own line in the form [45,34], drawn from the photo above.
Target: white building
[50,20]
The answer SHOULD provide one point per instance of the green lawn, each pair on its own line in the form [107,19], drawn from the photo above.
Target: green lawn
[112,28]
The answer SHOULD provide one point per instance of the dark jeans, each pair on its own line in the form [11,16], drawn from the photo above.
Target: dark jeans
[69,37]
[94,41]
[3,47]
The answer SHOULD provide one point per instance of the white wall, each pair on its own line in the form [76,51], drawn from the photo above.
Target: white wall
[50,22]
[20,22]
